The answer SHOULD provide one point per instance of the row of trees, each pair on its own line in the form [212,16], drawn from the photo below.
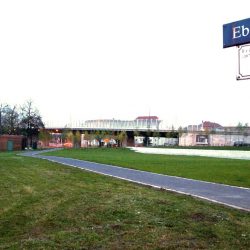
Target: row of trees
[68,136]
[20,120]
[102,135]
[120,137]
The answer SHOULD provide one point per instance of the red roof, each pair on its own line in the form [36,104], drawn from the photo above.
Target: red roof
[147,118]
[211,125]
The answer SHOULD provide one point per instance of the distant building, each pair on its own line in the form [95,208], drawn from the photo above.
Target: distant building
[147,118]
[213,134]
[211,126]
[12,142]
[205,126]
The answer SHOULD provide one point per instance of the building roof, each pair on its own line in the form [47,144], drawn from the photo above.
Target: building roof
[147,118]
[211,125]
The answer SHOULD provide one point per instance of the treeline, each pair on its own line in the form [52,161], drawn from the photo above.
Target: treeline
[20,120]
[109,138]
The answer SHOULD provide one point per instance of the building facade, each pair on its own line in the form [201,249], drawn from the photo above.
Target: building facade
[213,134]
[12,142]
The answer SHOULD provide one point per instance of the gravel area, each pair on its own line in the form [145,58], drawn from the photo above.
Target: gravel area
[229,154]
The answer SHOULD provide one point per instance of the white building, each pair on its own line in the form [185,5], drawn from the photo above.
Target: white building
[213,134]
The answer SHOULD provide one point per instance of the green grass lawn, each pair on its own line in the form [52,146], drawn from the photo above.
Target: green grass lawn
[227,171]
[45,205]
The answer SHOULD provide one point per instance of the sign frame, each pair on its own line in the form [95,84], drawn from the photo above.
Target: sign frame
[236,33]
[241,75]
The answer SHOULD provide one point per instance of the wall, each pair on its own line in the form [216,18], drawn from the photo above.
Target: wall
[189,139]
[157,141]
[16,139]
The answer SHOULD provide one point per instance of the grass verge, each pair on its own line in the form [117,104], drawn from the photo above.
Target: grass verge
[226,171]
[45,205]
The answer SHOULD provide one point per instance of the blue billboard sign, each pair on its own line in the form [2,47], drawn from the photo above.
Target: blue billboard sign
[236,33]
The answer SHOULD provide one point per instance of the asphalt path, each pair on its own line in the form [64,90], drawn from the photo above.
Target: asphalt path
[236,197]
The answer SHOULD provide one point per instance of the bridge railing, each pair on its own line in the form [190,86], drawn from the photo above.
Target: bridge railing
[153,125]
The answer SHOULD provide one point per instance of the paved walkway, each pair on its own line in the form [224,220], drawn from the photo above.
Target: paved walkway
[232,196]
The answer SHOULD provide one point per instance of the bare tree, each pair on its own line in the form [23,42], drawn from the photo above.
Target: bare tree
[77,139]
[11,120]
[31,121]
[44,137]
[2,112]
[121,137]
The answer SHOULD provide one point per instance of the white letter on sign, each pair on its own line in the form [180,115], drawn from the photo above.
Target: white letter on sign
[245,31]
[236,32]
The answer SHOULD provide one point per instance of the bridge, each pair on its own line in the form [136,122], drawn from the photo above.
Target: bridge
[142,125]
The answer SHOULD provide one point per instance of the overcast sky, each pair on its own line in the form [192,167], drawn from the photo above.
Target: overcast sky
[80,60]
